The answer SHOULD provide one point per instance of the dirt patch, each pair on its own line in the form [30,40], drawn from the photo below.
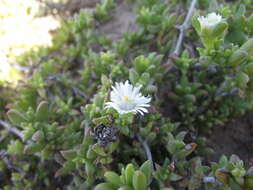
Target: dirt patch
[122,17]
[233,138]
[75,5]
[122,21]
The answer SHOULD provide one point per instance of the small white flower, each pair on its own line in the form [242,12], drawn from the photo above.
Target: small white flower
[125,98]
[210,20]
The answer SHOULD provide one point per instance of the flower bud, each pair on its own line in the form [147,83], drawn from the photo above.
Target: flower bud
[211,28]
[209,21]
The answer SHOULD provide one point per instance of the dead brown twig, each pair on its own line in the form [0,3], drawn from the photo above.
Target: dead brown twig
[182,28]
[12,129]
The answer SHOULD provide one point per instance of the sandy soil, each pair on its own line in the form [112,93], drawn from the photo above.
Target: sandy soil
[234,138]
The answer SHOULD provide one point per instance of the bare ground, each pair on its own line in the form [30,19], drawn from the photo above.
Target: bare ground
[234,138]
[122,21]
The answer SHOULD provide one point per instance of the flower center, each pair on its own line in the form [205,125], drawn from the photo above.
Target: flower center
[212,20]
[127,103]
[127,99]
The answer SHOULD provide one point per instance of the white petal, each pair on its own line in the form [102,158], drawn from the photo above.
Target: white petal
[139,111]
[134,103]
[143,110]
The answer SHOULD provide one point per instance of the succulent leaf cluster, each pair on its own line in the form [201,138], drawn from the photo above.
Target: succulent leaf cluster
[67,139]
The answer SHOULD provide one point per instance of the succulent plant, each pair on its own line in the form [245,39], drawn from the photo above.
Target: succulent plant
[74,124]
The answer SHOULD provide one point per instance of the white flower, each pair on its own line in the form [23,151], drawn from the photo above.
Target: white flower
[210,20]
[125,98]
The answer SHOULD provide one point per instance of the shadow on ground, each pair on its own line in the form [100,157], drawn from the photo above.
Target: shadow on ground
[234,138]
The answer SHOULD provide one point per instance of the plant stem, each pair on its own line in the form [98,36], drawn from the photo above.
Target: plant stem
[146,148]
[183,27]
[211,180]
[12,129]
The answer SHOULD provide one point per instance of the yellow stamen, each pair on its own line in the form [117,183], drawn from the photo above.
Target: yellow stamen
[126,98]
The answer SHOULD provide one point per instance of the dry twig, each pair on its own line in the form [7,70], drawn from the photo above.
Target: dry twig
[182,28]
[12,129]
[146,148]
